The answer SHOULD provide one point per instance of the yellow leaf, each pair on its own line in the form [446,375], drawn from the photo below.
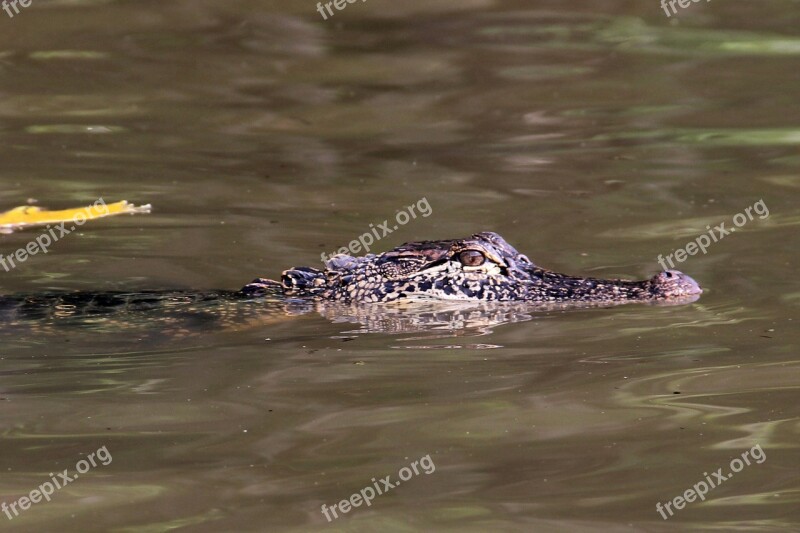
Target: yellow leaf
[27,215]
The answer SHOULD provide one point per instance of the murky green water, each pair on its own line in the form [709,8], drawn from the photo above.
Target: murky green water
[593,136]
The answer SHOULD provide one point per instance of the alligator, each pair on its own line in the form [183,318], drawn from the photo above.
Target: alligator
[482,268]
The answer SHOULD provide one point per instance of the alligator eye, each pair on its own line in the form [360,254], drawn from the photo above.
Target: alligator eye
[471,258]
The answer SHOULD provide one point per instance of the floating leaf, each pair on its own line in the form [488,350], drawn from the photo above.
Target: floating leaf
[27,215]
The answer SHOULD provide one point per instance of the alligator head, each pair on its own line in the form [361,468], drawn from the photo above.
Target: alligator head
[483,267]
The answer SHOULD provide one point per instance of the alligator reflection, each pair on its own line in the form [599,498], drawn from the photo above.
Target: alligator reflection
[479,317]
[177,313]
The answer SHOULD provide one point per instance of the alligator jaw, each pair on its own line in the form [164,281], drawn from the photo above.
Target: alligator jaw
[670,285]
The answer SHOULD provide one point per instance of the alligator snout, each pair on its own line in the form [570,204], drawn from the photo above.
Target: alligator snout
[675,284]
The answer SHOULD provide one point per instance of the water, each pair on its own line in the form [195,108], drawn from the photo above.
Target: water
[593,136]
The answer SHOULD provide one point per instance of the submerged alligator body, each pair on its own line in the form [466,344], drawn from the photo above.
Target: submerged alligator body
[483,267]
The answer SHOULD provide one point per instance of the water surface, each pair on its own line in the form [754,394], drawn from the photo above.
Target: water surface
[593,136]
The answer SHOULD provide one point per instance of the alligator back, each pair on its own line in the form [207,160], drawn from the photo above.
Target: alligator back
[164,312]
